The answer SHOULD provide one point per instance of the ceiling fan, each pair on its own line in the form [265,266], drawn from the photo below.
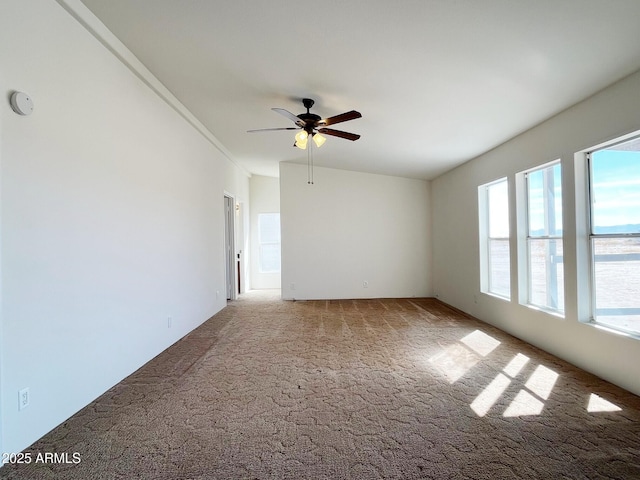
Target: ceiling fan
[312,125]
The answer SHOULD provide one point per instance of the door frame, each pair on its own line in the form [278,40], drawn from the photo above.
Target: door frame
[229,247]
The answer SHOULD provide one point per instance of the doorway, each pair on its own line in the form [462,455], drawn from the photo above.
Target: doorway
[229,250]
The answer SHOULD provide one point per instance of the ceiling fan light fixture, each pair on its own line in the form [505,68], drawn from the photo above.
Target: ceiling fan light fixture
[319,140]
[301,139]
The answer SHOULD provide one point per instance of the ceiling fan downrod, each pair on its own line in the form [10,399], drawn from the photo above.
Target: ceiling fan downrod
[308,103]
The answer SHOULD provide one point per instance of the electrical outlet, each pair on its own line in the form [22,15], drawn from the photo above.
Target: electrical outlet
[292,286]
[23,398]
[217,293]
[169,322]
[365,284]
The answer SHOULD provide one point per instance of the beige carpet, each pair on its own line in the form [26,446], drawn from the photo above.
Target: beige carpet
[349,389]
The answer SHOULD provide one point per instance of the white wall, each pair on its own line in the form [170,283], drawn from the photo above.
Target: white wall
[349,228]
[265,198]
[111,220]
[605,116]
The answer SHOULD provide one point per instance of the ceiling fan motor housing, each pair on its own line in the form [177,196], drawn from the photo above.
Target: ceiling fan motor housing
[310,119]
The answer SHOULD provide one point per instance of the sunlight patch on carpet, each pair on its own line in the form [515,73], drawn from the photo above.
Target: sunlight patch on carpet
[492,392]
[490,395]
[515,366]
[480,342]
[454,361]
[524,404]
[541,381]
[599,404]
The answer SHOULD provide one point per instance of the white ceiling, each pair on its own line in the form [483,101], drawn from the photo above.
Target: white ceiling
[438,82]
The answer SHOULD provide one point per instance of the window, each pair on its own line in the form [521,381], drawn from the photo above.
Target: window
[545,268]
[494,238]
[269,239]
[615,235]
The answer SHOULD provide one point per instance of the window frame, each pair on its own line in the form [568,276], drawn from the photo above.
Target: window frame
[528,238]
[486,284]
[592,236]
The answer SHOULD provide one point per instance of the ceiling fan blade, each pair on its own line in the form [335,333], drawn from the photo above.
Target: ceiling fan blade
[290,116]
[343,117]
[272,129]
[339,133]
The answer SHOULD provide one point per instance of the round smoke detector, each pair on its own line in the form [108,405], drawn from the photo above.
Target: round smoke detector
[21,103]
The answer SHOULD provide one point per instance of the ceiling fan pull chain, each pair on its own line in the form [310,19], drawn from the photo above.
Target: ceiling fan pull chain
[310,164]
